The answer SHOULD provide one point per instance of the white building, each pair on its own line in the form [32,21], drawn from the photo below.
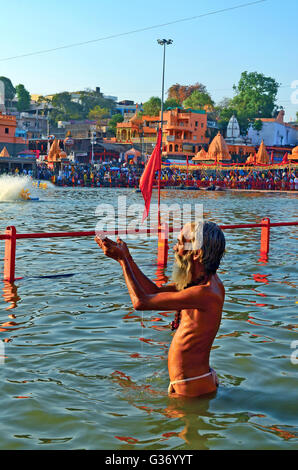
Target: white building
[275,132]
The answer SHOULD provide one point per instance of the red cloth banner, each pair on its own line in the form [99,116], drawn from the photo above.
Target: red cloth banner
[147,178]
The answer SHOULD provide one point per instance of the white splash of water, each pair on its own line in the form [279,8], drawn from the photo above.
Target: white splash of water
[12,186]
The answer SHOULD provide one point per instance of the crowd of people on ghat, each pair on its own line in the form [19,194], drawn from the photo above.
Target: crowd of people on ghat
[129,176]
[277,179]
[87,175]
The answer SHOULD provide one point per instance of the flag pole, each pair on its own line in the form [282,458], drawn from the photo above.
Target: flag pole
[162,250]
[162,42]
[187,170]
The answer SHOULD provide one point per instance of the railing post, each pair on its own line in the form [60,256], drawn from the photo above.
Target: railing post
[163,246]
[265,238]
[10,255]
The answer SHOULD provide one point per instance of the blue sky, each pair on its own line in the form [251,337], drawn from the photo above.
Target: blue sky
[213,50]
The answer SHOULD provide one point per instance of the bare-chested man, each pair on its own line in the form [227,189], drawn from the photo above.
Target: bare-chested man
[197,295]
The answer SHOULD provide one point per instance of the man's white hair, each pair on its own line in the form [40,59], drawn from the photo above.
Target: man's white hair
[193,235]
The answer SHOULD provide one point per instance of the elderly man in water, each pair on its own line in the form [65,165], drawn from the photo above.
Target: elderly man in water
[197,295]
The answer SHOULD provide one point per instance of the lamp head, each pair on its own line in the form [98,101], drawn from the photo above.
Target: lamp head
[163,42]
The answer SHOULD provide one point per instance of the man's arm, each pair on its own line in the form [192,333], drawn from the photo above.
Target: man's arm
[193,297]
[120,250]
[149,286]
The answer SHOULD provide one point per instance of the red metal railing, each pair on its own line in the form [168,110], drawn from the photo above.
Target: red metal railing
[11,236]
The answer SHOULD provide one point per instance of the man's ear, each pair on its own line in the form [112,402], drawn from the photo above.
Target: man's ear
[197,256]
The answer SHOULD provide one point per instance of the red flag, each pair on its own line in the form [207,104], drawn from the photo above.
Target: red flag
[285,158]
[272,157]
[146,181]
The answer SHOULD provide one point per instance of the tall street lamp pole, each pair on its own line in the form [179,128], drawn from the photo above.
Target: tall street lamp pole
[93,141]
[164,43]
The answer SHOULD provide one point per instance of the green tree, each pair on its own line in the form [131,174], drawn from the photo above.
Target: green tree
[255,98]
[65,109]
[89,99]
[98,113]
[24,98]
[45,103]
[113,122]
[198,100]
[43,100]
[171,103]
[257,125]
[152,107]
[255,95]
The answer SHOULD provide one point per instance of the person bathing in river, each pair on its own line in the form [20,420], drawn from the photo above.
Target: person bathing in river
[197,294]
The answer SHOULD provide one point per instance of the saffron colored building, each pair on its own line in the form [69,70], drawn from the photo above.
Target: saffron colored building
[8,139]
[184,131]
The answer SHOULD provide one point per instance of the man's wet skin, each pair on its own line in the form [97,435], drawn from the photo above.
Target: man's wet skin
[200,304]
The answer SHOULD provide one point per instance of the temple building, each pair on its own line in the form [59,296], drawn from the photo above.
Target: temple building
[132,155]
[262,155]
[56,157]
[184,131]
[201,156]
[130,130]
[233,132]
[218,152]
[237,144]
[293,157]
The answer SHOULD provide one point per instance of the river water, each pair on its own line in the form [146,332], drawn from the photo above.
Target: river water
[83,370]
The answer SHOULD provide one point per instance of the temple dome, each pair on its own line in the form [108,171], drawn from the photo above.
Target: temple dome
[201,155]
[218,149]
[294,154]
[233,129]
[250,160]
[56,153]
[262,155]
[4,153]
[133,151]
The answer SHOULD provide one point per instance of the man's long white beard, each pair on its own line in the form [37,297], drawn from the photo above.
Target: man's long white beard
[182,271]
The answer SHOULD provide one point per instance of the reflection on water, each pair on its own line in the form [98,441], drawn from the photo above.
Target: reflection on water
[160,276]
[83,370]
[10,294]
